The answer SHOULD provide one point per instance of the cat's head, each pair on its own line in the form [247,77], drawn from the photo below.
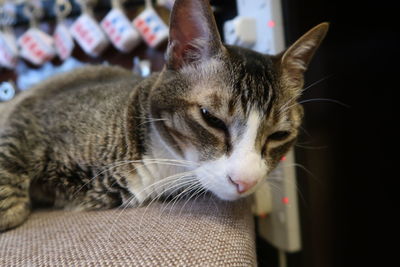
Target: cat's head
[230,110]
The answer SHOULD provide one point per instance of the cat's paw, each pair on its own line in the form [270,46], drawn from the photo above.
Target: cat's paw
[13,212]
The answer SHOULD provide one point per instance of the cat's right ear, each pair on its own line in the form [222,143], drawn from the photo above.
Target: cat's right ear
[193,34]
[296,58]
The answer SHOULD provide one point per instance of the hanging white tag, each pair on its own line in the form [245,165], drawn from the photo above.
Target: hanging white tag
[120,30]
[8,50]
[151,27]
[63,41]
[89,35]
[36,46]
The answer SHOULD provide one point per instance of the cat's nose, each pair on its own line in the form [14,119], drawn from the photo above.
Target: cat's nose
[242,186]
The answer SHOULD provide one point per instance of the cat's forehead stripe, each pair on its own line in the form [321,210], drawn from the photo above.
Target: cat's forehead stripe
[252,80]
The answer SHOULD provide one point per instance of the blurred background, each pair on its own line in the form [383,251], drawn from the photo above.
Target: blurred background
[347,182]
[355,168]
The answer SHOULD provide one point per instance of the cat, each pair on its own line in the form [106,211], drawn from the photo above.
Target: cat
[217,118]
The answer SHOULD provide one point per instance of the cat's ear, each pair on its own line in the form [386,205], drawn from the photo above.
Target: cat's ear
[294,61]
[193,35]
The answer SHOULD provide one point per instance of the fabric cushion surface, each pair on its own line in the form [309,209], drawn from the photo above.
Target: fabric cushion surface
[205,232]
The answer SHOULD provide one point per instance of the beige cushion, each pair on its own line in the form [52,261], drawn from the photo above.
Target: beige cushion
[201,233]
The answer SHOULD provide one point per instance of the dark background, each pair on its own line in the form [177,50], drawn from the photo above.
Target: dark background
[348,201]
[348,218]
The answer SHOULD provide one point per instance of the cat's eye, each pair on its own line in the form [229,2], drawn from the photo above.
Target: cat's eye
[212,120]
[279,136]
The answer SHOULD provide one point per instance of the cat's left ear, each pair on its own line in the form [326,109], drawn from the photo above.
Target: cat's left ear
[193,35]
[296,58]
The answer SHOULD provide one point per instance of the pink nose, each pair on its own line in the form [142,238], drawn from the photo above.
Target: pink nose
[242,186]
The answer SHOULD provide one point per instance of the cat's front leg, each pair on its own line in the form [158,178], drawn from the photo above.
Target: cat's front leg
[14,192]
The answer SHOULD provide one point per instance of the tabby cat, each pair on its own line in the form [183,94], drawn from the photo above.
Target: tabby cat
[217,118]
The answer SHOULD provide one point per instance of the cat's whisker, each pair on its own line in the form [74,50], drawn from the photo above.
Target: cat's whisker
[123,163]
[305,131]
[118,216]
[177,197]
[311,147]
[183,162]
[215,204]
[150,121]
[200,192]
[94,177]
[98,174]
[306,170]
[176,186]
[134,197]
[315,100]
[170,177]
[283,108]
[146,118]
[288,103]
[153,159]
[273,185]
[215,181]
[163,180]
[301,195]
[174,199]
[317,82]
[182,181]
[176,183]
[130,199]
[324,100]
[199,189]
[310,100]
[211,200]
[126,204]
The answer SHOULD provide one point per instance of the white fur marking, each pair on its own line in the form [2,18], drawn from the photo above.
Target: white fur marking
[245,164]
